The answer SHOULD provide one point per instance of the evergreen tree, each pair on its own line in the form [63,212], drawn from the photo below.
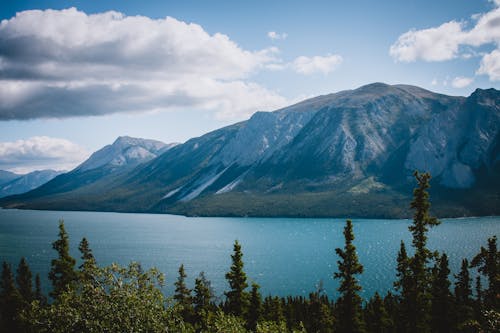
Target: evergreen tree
[464,311]
[349,318]
[237,298]
[419,296]
[10,301]
[62,273]
[88,261]
[255,310]
[321,313]
[441,310]
[488,263]
[24,281]
[204,309]
[404,285]
[39,296]
[183,296]
[377,319]
[478,304]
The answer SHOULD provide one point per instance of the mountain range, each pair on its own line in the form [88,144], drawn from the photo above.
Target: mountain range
[12,183]
[350,153]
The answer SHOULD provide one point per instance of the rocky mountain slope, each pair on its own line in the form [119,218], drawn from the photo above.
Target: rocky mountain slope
[24,183]
[350,153]
[121,156]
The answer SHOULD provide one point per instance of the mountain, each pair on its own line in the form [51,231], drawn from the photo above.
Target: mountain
[112,160]
[350,153]
[25,183]
[7,176]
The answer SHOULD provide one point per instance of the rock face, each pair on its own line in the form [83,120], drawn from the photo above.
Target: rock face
[25,183]
[125,151]
[350,153]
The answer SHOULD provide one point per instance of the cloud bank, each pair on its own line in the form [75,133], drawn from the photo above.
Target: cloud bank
[40,152]
[67,63]
[452,39]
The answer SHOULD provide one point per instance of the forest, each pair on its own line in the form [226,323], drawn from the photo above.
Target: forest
[91,298]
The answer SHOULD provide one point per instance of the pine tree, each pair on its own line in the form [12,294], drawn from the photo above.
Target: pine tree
[349,318]
[10,301]
[62,273]
[488,263]
[88,261]
[255,310]
[377,319]
[237,298]
[39,296]
[202,299]
[441,301]
[419,296]
[478,304]
[183,296]
[464,312]
[24,281]
[404,285]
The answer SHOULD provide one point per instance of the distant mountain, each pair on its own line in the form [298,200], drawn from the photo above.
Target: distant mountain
[27,182]
[7,176]
[112,160]
[350,153]
[124,152]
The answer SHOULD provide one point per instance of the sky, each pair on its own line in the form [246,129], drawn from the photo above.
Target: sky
[75,75]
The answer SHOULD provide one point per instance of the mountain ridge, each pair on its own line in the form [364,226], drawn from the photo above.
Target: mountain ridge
[349,153]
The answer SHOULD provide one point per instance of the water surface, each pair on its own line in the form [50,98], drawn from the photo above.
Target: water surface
[285,256]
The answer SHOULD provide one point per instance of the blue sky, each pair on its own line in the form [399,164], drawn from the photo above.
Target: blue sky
[74,75]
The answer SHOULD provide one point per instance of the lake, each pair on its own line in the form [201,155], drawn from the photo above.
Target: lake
[285,256]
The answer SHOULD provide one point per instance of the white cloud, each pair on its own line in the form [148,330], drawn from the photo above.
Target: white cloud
[461,82]
[40,152]
[434,82]
[317,64]
[451,40]
[490,65]
[67,63]
[434,44]
[275,35]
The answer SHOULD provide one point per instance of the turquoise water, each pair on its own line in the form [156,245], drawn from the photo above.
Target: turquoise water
[284,256]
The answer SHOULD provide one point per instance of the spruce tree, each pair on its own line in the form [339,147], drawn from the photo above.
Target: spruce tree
[377,319]
[441,301]
[24,281]
[349,317]
[464,311]
[10,301]
[419,296]
[88,264]
[255,310]
[404,285]
[202,299]
[487,262]
[39,296]
[183,296]
[62,273]
[237,298]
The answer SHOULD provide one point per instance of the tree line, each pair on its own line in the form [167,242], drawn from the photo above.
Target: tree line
[91,298]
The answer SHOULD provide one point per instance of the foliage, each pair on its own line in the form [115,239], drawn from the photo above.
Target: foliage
[237,298]
[349,304]
[118,299]
[488,263]
[62,273]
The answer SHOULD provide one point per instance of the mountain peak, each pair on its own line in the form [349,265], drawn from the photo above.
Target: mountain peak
[125,151]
